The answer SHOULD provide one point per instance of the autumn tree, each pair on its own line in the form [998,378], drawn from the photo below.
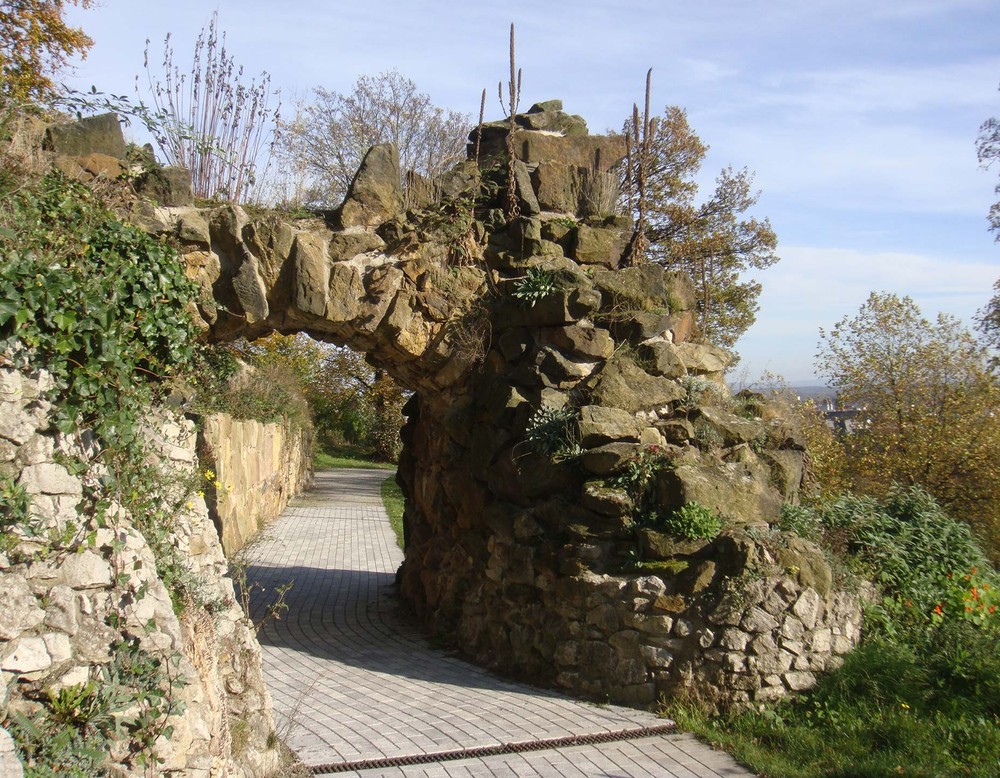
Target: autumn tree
[299,354]
[715,241]
[35,44]
[988,324]
[930,407]
[988,151]
[328,138]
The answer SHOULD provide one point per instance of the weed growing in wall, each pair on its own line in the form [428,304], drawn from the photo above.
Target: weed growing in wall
[637,478]
[536,284]
[16,511]
[553,432]
[123,707]
[694,521]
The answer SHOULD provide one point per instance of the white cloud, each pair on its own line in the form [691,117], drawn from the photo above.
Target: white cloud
[880,89]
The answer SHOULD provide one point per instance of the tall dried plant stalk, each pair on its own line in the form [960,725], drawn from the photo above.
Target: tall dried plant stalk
[638,159]
[514,100]
[219,128]
[479,127]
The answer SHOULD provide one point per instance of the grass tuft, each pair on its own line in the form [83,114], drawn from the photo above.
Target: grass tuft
[394,501]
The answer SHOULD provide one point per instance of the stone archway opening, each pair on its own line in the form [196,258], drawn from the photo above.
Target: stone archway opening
[544,377]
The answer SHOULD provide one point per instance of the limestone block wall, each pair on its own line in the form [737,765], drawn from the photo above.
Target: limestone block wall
[74,589]
[258,468]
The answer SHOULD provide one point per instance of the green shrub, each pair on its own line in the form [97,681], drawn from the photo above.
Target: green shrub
[921,695]
[922,560]
[694,521]
[101,305]
[72,731]
[801,520]
[924,709]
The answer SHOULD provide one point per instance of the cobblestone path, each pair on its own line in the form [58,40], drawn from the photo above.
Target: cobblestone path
[359,691]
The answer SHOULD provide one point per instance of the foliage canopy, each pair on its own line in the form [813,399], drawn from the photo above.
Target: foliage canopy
[988,150]
[351,401]
[714,241]
[35,43]
[929,407]
[326,141]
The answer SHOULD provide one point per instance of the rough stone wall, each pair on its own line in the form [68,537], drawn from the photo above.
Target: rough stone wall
[529,568]
[258,468]
[535,553]
[62,598]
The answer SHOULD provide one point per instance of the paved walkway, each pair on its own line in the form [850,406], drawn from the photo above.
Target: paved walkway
[358,690]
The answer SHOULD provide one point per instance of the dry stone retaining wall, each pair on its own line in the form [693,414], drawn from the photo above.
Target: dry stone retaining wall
[62,598]
[258,468]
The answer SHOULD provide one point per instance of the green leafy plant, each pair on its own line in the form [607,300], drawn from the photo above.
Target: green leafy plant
[97,303]
[801,520]
[636,478]
[15,511]
[536,284]
[553,432]
[125,708]
[909,543]
[694,521]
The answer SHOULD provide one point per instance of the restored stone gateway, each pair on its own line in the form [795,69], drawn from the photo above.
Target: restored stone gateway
[559,401]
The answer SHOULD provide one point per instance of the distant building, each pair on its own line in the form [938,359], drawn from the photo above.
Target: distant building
[843,422]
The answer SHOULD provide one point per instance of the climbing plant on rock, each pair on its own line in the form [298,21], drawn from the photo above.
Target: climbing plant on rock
[100,304]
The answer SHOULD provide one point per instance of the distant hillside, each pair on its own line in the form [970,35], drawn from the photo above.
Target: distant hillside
[815,392]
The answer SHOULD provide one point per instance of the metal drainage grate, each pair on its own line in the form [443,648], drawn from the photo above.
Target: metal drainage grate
[482,751]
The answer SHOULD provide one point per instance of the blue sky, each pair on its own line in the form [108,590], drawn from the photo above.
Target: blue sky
[859,119]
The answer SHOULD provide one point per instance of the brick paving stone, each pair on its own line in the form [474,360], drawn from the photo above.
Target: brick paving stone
[353,678]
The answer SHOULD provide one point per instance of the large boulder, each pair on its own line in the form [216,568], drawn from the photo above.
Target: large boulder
[739,491]
[644,288]
[622,384]
[600,425]
[91,135]
[375,195]
[549,116]
[169,186]
[599,245]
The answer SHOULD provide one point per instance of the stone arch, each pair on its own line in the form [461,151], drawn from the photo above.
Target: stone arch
[541,373]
